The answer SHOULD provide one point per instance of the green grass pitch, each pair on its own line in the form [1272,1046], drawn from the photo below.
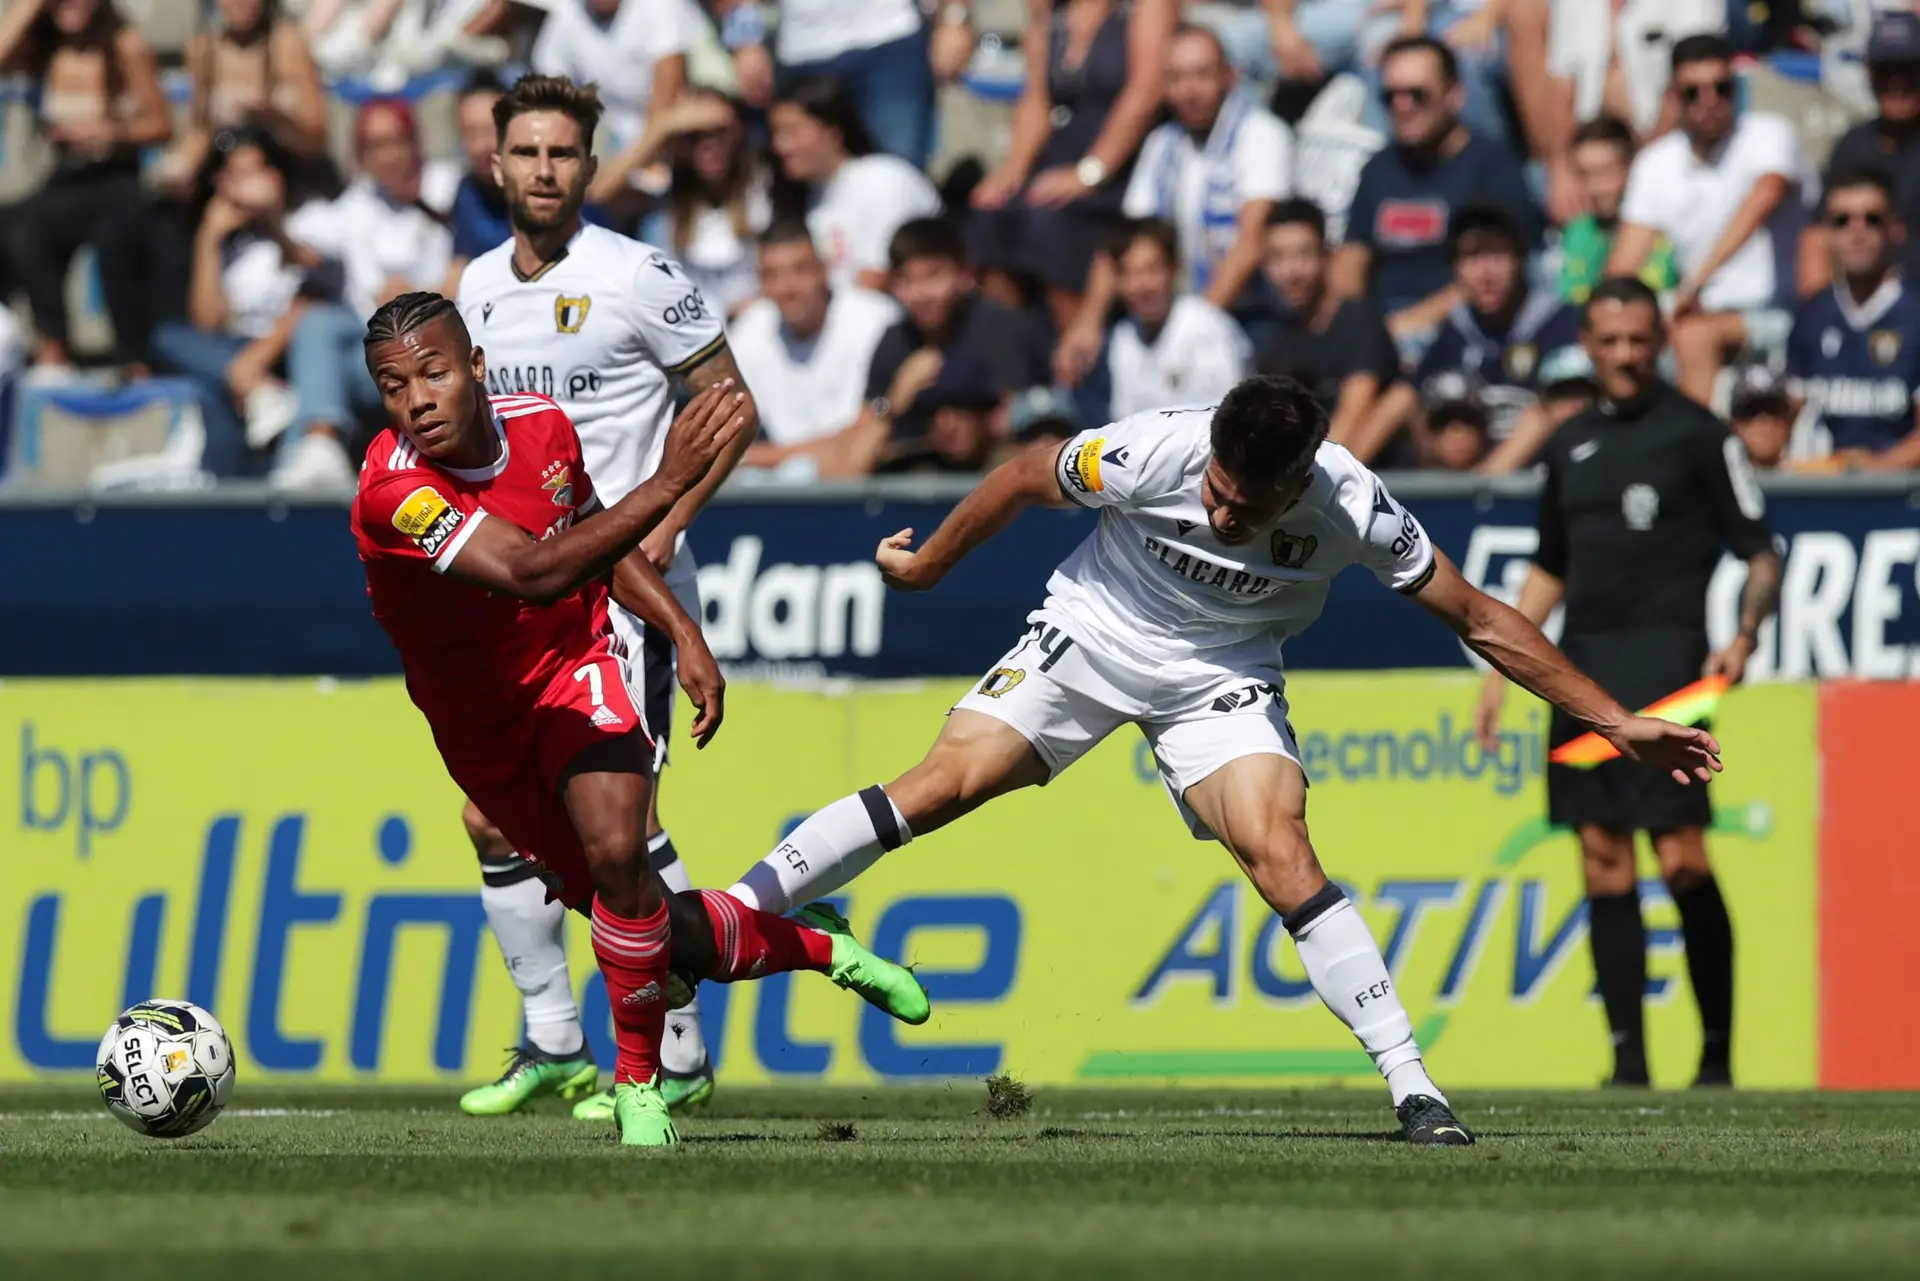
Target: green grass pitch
[925,1184]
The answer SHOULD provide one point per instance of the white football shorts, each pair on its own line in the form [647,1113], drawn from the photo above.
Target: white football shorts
[1197,716]
[650,659]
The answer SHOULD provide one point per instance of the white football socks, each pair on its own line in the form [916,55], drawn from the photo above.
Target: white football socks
[683,1050]
[1347,970]
[532,938]
[825,852]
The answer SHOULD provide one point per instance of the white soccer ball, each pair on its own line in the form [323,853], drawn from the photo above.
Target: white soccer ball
[165,1068]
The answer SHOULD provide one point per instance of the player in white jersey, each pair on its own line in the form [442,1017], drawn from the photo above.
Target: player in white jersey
[605,325]
[1220,530]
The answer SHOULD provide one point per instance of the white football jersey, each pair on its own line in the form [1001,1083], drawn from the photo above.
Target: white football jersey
[602,330]
[1152,585]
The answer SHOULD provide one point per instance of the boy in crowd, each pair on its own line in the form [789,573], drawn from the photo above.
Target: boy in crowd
[1602,154]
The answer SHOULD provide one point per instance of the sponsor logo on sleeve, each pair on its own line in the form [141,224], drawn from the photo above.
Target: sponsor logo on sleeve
[570,313]
[689,309]
[428,519]
[1083,470]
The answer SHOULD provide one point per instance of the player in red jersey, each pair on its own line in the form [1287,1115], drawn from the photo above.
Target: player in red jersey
[483,565]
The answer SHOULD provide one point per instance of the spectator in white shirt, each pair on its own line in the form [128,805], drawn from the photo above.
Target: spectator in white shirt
[388,241]
[855,197]
[1731,194]
[1214,171]
[636,52]
[384,229]
[805,347]
[1168,349]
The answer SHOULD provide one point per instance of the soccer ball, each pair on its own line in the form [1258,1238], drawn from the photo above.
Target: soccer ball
[165,1068]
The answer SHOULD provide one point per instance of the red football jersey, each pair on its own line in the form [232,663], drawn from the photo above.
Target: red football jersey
[470,655]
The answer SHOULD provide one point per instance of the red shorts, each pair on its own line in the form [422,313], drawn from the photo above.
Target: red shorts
[513,773]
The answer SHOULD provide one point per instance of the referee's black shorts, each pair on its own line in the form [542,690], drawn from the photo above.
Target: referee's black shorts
[1637,667]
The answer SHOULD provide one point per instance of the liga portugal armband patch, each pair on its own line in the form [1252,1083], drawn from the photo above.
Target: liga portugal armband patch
[428,519]
[1083,470]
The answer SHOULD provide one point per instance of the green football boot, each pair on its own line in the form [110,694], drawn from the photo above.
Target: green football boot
[687,1092]
[878,981]
[597,1106]
[683,1093]
[532,1074]
[640,1115]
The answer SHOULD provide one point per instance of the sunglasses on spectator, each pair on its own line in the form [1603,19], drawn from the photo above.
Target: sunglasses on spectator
[1416,95]
[1874,220]
[1722,89]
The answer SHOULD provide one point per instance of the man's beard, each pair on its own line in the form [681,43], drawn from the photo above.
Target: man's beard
[525,219]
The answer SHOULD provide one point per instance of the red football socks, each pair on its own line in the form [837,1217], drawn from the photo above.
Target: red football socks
[749,944]
[633,957]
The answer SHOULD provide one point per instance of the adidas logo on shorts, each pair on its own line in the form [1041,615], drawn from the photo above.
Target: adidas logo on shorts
[604,716]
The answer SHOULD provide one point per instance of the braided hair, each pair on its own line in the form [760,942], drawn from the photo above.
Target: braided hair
[407,313]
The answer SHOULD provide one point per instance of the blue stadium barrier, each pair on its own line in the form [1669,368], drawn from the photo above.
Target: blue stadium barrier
[789,583]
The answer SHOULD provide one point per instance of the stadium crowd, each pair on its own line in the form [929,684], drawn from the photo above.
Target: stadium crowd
[1400,204]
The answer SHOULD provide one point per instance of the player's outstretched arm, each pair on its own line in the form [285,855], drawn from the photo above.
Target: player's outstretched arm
[1009,489]
[1503,636]
[1538,595]
[503,558]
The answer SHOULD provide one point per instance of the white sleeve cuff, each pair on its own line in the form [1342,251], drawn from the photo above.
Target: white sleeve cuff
[444,560]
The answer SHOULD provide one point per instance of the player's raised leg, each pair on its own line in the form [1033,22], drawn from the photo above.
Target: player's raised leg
[641,933]
[686,1074]
[975,759]
[750,944]
[1256,805]
[530,929]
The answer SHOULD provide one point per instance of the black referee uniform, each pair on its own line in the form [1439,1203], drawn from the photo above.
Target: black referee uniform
[1639,502]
